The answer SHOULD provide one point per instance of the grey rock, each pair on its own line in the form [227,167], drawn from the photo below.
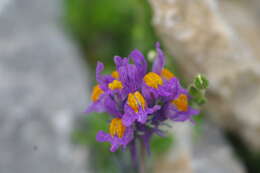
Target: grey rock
[220,39]
[212,153]
[42,90]
[203,151]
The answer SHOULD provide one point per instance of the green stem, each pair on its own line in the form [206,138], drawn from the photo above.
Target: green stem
[142,166]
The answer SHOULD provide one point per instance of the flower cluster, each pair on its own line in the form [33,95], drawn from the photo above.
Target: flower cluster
[137,100]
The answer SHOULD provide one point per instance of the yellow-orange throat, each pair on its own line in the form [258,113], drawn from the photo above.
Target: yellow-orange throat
[115,74]
[165,73]
[135,100]
[153,80]
[96,92]
[117,128]
[116,84]
[181,102]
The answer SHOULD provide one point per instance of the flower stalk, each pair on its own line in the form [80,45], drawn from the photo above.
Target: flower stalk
[142,166]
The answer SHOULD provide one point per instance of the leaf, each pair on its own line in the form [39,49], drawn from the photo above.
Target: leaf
[201,101]
[201,82]
[194,92]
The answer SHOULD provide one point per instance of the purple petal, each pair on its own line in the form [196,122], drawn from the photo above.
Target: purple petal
[150,94]
[153,109]
[130,78]
[99,69]
[170,89]
[129,117]
[96,106]
[103,137]
[128,136]
[111,107]
[106,79]
[114,146]
[176,115]
[103,80]
[142,116]
[159,61]
[193,111]
[124,141]
[139,61]
[115,141]
[120,61]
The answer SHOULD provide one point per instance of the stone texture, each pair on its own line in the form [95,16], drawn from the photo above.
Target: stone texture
[212,153]
[199,152]
[42,90]
[220,39]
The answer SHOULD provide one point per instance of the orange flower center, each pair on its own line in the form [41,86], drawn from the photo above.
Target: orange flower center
[96,92]
[115,74]
[165,73]
[116,84]
[153,80]
[116,127]
[181,102]
[135,100]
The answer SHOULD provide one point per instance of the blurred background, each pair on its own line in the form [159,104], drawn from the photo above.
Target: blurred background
[49,49]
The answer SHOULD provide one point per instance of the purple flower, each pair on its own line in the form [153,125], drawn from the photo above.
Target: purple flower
[97,99]
[137,100]
[179,110]
[118,135]
[136,109]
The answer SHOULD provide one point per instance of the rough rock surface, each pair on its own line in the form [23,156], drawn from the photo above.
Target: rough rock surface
[41,90]
[220,39]
[199,152]
[212,153]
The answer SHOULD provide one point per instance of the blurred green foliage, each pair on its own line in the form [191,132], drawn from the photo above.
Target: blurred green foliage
[161,145]
[107,28]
